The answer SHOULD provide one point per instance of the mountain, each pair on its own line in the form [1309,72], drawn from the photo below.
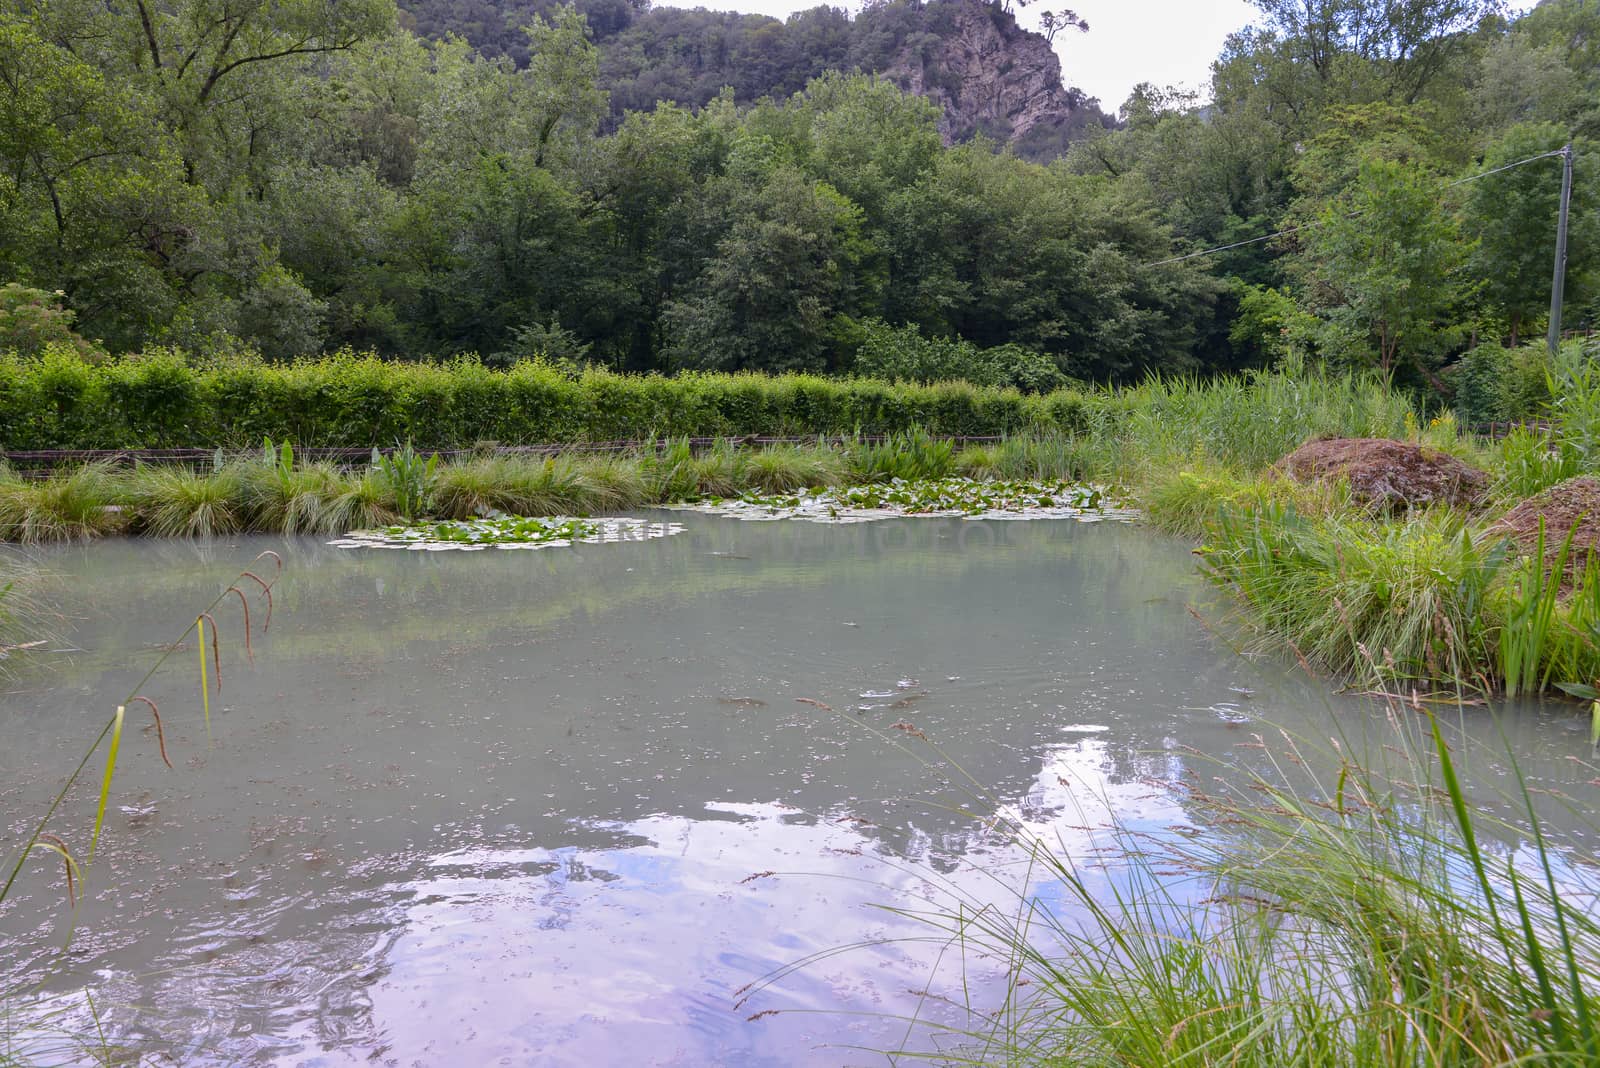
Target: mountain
[991,76]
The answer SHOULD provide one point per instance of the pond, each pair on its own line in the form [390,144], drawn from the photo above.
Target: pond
[561,807]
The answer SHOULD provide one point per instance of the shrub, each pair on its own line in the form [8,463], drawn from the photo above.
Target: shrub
[902,354]
[1498,385]
[158,398]
[32,320]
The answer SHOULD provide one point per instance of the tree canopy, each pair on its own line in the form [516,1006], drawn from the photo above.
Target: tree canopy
[304,174]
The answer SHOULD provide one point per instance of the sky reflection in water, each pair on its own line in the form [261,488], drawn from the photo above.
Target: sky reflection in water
[517,807]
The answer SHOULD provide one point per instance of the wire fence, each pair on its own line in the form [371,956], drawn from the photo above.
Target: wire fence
[40,462]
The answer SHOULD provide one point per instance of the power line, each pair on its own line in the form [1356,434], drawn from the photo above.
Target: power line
[1348,215]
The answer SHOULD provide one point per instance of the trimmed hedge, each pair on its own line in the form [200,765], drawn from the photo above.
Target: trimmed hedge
[158,400]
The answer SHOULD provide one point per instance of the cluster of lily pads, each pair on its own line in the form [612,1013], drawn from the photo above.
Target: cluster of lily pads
[507,532]
[962,497]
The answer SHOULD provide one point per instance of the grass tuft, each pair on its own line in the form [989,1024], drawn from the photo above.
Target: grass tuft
[71,506]
[175,502]
[1379,602]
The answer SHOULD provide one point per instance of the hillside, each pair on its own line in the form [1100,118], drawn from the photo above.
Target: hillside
[990,75]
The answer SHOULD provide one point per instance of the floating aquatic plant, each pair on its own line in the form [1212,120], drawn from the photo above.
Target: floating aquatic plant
[969,498]
[507,532]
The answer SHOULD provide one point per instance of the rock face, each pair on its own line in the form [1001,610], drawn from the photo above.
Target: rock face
[989,74]
[1386,474]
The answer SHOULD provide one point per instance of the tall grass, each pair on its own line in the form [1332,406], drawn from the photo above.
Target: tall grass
[1380,602]
[41,843]
[74,505]
[171,501]
[296,500]
[785,468]
[1531,617]
[1526,462]
[1245,423]
[1188,500]
[1322,911]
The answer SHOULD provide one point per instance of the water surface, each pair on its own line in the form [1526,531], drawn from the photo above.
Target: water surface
[560,807]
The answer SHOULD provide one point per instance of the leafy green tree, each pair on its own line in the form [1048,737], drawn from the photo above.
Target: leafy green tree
[1402,47]
[782,272]
[1569,31]
[32,320]
[280,315]
[1384,267]
[1512,216]
[1270,325]
[91,198]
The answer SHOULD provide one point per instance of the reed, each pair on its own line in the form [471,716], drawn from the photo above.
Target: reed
[40,1037]
[177,502]
[75,505]
[1320,908]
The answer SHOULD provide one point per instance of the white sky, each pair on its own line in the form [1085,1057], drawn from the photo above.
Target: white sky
[1167,42]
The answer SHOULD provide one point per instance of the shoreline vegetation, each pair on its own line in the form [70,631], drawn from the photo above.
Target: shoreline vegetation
[1385,596]
[1324,903]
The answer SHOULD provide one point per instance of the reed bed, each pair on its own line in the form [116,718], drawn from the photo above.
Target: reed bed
[276,493]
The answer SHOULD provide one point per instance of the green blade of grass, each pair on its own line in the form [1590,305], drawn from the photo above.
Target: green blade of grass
[105,783]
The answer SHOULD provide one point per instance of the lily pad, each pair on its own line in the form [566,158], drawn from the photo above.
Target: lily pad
[959,497]
[507,532]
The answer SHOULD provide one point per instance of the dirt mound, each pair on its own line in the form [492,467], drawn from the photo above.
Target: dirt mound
[1569,504]
[1388,474]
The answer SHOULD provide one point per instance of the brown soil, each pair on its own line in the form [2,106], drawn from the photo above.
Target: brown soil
[1569,504]
[1387,474]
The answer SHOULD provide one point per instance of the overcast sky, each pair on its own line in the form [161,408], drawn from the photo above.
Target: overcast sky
[1167,42]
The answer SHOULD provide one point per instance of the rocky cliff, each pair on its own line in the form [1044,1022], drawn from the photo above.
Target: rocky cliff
[991,76]
[988,74]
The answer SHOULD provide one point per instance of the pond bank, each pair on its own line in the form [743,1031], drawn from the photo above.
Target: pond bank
[1391,595]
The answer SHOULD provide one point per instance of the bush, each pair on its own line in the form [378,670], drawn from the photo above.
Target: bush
[160,399]
[902,354]
[32,320]
[1499,385]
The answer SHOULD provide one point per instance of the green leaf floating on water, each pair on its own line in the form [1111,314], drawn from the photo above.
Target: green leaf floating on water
[962,497]
[506,532]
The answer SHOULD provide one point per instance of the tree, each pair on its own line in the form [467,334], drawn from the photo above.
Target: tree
[1512,216]
[767,299]
[91,197]
[562,78]
[1053,23]
[1384,267]
[1406,45]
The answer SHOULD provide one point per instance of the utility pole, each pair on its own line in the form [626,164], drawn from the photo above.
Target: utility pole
[1559,284]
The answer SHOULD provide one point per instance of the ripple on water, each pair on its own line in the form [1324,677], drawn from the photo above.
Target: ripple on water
[565,807]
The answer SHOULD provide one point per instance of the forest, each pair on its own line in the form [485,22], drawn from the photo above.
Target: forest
[627,188]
